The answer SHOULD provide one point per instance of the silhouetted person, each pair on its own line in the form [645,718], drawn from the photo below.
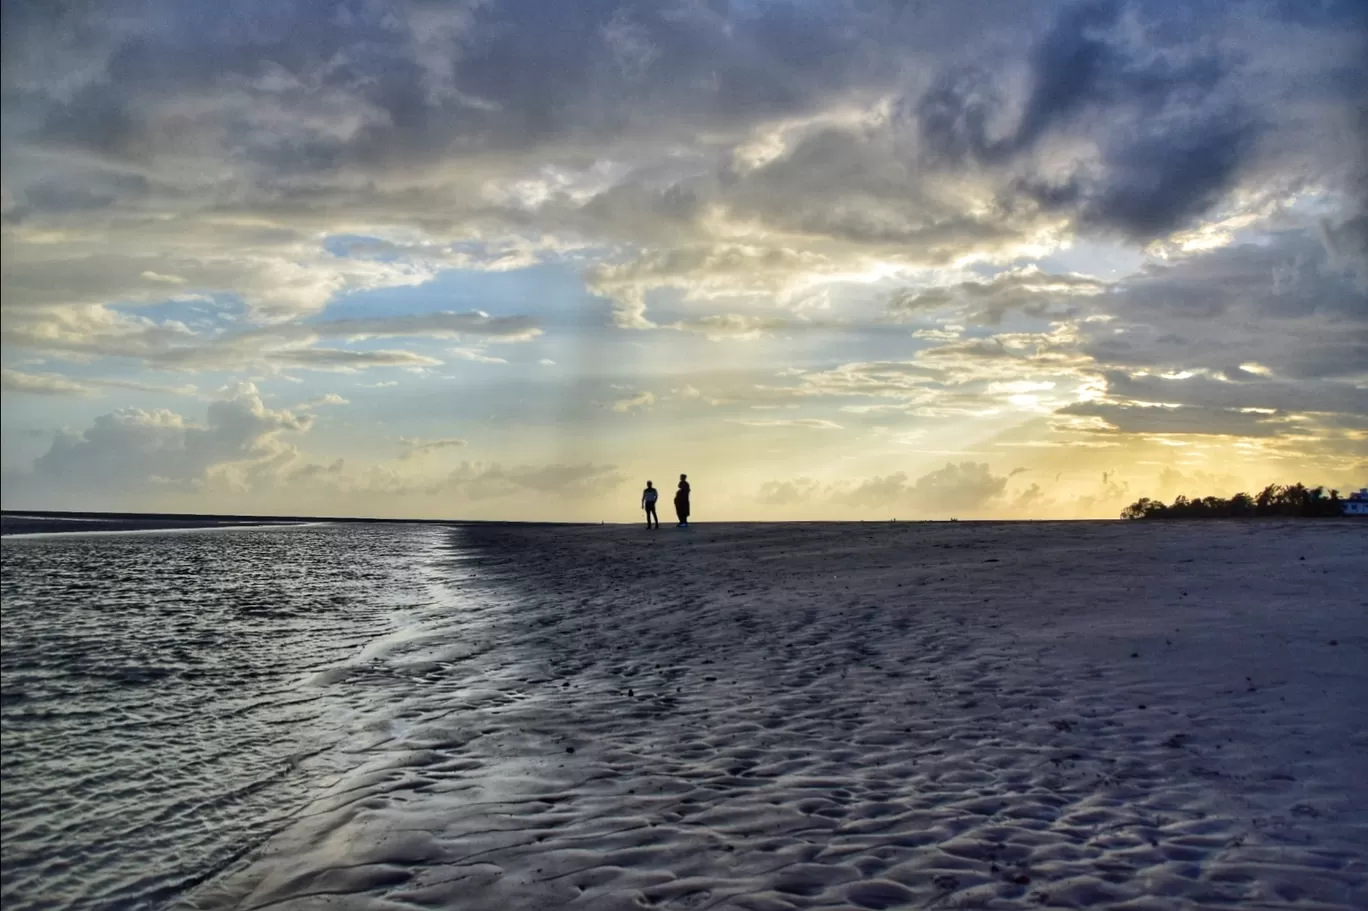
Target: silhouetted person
[648,503]
[682,501]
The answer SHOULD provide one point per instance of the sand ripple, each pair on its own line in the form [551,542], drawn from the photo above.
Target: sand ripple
[868,717]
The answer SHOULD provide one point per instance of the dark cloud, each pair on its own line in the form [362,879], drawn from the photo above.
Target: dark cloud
[1081,64]
[1171,141]
[1122,418]
[310,104]
[1162,177]
[1029,291]
[1246,390]
[1347,243]
[427,81]
[1131,118]
[1280,304]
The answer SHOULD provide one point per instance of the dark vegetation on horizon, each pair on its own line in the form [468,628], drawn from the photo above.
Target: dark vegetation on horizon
[1274,500]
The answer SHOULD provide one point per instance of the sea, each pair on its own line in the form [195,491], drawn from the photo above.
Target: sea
[170,700]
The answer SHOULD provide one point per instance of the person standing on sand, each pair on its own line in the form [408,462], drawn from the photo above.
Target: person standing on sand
[648,502]
[682,501]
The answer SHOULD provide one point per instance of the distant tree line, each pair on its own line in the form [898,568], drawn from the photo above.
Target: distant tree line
[1273,500]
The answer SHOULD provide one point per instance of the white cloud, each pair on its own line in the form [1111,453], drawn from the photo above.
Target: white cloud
[57,384]
[813,423]
[90,332]
[328,398]
[134,450]
[415,447]
[164,279]
[642,400]
[44,384]
[722,326]
[343,360]
[471,354]
[788,493]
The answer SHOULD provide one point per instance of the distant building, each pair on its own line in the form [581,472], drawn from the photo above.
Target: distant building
[1357,504]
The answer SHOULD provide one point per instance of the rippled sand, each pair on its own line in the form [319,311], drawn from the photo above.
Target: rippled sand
[959,715]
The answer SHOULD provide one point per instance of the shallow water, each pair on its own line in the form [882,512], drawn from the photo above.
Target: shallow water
[171,699]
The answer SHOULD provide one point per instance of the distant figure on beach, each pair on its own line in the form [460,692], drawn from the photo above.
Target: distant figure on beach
[648,503]
[682,501]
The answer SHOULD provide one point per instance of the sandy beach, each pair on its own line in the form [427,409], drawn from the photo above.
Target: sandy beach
[954,715]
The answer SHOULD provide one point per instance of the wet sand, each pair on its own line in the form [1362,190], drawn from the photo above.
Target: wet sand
[1055,715]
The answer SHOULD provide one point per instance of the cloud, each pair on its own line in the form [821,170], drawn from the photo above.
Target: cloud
[1265,339]
[1029,500]
[1173,482]
[813,423]
[443,324]
[702,272]
[100,332]
[722,326]
[416,446]
[164,279]
[1169,131]
[1275,304]
[640,400]
[788,493]
[1347,243]
[132,449]
[280,273]
[194,189]
[55,384]
[338,360]
[725,152]
[479,357]
[328,398]
[1160,419]
[1238,389]
[313,471]
[962,489]
[1028,290]
[44,384]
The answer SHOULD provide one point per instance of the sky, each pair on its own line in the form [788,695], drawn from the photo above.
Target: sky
[834,260]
